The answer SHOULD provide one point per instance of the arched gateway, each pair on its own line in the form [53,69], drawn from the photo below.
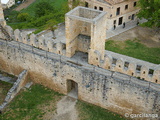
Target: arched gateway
[72,89]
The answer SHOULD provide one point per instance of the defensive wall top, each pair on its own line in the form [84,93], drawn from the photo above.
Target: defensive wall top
[112,61]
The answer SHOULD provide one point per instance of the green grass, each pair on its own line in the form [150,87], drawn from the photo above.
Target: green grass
[27,104]
[134,49]
[4,87]
[34,103]
[39,23]
[57,4]
[91,112]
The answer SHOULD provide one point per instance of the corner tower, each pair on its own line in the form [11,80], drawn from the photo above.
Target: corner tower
[86,22]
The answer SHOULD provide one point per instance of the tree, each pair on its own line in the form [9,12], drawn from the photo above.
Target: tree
[150,10]
[51,25]
[23,17]
[43,8]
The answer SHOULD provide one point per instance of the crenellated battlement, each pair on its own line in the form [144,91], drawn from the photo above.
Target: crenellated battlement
[40,42]
[81,35]
[130,66]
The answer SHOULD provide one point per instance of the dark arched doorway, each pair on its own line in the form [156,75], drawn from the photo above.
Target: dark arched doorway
[72,89]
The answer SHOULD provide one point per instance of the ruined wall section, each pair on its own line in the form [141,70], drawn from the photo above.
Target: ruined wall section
[17,86]
[111,90]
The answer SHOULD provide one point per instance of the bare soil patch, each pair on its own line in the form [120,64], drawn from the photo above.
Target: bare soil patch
[147,36]
[24,5]
[66,109]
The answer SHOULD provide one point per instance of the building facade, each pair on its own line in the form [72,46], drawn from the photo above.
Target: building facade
[7,3]
[118,11]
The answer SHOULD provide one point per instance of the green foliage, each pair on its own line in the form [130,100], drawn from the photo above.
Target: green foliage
[56,4]
[134,49]
[91,112]
[51,15]
[76,3]
[26,105]
[4,87]
[43,8]
[12,15]
[22,17]
[150,10]
[51,25]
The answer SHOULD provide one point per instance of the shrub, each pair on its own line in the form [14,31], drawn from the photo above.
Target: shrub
[23,17]
[43,8]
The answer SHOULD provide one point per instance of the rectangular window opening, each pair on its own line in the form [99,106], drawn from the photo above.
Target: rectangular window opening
[150,72]
[135,4]
[86,4]
[118,11]
[101,8]
[126,7]
[114,61]
[126,65]
[138,68]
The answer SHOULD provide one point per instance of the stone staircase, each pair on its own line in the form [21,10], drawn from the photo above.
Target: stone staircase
[4,31]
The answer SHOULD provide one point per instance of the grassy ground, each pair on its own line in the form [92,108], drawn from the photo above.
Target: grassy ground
[4,87]
[91,112]
[39,23]
[39,102]
[134,49]
[30,104]
[57,4]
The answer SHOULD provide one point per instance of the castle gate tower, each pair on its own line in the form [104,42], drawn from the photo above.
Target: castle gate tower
[86,32]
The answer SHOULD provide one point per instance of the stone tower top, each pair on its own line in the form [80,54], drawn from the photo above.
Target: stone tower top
[89,23]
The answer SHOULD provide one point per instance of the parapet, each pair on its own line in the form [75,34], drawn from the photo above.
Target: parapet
[76,40]
[130,66]
[40,42]
[85,14]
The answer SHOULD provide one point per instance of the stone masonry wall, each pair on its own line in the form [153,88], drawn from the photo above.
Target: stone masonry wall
[112,61]
[111,90]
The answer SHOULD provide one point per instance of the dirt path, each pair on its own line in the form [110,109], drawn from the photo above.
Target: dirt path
[24,5]
[146,36]
[66,109]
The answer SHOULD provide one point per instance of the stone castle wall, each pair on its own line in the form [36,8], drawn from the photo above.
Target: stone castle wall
[111,90]
[112,61]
